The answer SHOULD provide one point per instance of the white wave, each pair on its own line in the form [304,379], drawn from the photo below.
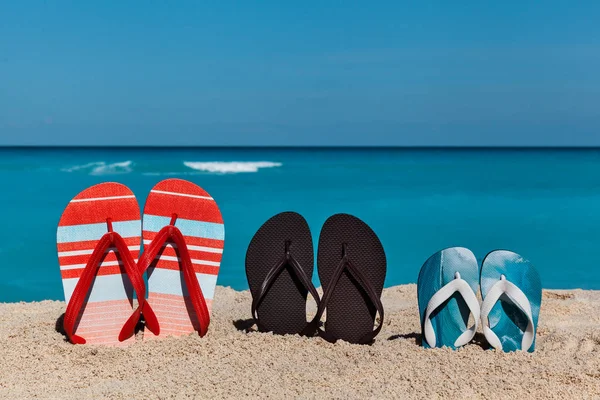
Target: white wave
[78,167]
[230,167]
[103,168]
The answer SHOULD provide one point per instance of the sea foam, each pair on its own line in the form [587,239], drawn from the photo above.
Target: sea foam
[103,168]
[230,167]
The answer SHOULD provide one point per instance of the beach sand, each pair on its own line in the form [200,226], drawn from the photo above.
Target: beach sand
[37,362]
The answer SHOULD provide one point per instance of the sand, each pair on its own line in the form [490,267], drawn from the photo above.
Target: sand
[37,362]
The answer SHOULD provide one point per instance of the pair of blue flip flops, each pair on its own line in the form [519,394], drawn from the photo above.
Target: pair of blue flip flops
[511,293]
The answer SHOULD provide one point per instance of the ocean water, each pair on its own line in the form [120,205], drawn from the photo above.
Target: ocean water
[543,204]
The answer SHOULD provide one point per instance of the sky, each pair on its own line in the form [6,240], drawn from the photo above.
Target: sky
[511,73]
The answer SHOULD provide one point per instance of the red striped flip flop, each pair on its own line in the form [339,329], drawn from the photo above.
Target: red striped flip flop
[183,244]
[96,237]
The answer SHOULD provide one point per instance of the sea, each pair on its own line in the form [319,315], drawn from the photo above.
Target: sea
[541,203]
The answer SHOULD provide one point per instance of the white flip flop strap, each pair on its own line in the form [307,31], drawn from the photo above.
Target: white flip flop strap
[440,297]
[518,298]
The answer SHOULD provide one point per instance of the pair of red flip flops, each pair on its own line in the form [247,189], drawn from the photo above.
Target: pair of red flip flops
[99,239]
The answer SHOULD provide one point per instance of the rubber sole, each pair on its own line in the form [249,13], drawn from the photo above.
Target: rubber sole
[82,224]
[450,320]
[283,308]
[350,312]
[201,223]
[506,319]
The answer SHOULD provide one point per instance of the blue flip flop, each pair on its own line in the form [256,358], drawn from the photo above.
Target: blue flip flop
[512,294]
[446,290]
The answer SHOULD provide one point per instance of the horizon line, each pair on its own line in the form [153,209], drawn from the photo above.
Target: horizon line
[304,147]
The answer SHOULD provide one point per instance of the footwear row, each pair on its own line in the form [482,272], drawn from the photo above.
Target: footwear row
[101,233]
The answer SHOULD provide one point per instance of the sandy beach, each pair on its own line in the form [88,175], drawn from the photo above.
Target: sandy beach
[37,362]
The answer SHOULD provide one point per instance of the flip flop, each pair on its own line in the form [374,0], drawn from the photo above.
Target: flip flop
[352,267]
[279,268]
[512,295]
[183,235]
[96,236]
[446,291]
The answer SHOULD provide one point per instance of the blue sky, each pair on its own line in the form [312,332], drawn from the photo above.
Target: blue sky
[309,73]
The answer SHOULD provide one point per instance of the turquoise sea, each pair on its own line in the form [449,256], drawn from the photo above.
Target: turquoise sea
[543,204]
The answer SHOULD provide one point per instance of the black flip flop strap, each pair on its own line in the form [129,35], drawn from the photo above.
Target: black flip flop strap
[287,259]
[346,263]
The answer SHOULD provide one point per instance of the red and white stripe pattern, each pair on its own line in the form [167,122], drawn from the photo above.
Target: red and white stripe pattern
[83,223]
[200,222]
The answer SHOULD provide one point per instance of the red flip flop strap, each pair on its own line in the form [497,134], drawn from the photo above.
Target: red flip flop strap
[151,251]
[191,281]
[173,233]
[137,281]
[87,277]
[82,288]
[144,262]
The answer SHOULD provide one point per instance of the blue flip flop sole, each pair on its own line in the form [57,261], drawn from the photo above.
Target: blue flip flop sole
[506,319]
[451,319]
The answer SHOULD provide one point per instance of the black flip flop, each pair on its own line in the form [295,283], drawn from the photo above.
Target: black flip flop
[352,267]
[279,268]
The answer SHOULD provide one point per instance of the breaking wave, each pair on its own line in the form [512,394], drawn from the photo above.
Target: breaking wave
[230,167]
[103,168]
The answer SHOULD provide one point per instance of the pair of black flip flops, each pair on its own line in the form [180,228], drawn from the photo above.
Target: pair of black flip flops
[351,266]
